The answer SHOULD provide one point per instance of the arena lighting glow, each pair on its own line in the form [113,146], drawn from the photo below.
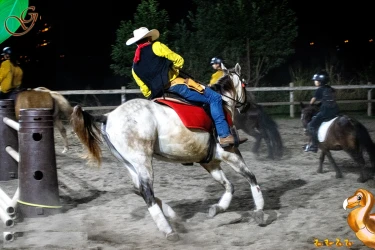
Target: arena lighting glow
[10,8]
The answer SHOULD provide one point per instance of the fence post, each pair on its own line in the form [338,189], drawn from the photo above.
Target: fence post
[369,103]
[123,96]
[291,99]
[8,137]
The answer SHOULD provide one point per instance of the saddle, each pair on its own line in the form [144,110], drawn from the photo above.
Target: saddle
[195,116]
[323,129]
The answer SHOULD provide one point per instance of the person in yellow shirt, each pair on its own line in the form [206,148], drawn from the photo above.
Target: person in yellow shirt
[156,69]
[217,64]
[11,75]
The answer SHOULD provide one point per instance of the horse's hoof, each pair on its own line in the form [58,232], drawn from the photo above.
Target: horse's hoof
[271,157]
[64,150]
[319,171]
[173,236]
[338,176]
[259,216]
[213,211]
[361,180]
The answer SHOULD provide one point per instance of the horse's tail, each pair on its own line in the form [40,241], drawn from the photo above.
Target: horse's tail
[269,129]
[365,140]
[88,132]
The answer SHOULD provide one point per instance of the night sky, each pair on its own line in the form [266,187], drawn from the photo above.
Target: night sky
[83,29]
[319,21]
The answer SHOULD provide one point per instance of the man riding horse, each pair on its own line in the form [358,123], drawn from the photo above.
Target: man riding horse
[156,69]
[11,75]
[328,108]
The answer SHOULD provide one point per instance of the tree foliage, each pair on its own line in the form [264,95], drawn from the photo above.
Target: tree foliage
[147,15]
[258,34]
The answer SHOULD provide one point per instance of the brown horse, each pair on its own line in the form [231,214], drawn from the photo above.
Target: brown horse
[258,124]
[345,133]
[254,121]
[42,97]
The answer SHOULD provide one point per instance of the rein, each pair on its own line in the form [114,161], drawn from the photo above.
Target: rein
[241,106]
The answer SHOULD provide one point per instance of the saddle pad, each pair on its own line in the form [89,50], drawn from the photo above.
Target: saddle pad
[190,115]
[324,128]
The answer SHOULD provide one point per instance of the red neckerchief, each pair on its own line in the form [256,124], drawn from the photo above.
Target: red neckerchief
[137,55]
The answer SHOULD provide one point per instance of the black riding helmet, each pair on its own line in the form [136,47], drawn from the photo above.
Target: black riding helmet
[216,60]
[7,50]
[322,77]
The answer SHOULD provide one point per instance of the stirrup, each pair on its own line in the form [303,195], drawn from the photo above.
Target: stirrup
[312,148]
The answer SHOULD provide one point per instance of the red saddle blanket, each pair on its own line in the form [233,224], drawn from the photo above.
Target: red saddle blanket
[190,115]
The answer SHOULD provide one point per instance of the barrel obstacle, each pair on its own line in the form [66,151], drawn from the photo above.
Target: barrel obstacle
[34,165]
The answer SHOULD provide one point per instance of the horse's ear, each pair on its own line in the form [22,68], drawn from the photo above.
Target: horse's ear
[237,68]
[302,105]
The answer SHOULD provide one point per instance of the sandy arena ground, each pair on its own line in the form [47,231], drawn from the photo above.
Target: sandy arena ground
[102,212]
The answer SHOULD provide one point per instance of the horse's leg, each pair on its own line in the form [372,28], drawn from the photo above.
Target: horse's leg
[269,145]
[217,173]
[258,139]
[357,156]
[236,161]
[62,130]
[321,160]
[143,186]
[167,210]
[334,165]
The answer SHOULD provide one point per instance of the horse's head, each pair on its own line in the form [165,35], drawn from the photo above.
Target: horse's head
[225,87]
[238,83]
[232,88]
[307,113]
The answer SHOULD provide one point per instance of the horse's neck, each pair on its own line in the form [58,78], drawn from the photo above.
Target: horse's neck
[230,110]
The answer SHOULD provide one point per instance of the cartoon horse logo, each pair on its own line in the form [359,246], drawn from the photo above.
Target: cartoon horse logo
[360,220]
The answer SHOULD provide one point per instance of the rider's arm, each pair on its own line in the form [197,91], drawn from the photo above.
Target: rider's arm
[5,69]
[144,89]
[216,76]
[312,100]
[163,51]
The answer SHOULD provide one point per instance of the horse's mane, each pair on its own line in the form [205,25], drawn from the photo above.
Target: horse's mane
[312,108]
[224,85]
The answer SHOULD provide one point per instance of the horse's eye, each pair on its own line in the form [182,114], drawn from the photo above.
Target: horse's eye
[359,197]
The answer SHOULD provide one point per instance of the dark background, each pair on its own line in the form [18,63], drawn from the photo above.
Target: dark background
[82,32]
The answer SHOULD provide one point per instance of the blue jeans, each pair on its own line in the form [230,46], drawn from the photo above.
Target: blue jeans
[209,97]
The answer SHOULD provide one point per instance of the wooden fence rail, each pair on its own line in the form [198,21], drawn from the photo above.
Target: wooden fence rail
[123,91]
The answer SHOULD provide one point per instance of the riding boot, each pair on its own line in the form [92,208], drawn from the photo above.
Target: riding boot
[229,140]
[314,143]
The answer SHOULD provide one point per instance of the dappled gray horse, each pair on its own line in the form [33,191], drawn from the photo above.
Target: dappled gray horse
[139,130]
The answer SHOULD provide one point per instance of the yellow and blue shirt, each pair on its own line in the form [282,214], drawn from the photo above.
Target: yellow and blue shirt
[10,76]
[216,76]
[157,67]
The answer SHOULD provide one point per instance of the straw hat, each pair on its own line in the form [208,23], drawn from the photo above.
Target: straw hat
[143,32]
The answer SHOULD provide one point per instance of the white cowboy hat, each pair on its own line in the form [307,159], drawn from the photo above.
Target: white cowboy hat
[143,32]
